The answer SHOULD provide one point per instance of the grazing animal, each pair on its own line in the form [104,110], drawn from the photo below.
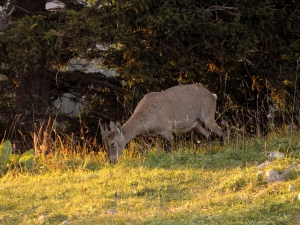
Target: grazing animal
[177,109]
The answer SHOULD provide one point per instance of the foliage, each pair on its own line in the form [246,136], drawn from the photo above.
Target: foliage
[5,152]
[32,52]
[190,41]
[26,160]
[245,52]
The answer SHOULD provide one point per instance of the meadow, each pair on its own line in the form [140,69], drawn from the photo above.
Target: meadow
[196,184]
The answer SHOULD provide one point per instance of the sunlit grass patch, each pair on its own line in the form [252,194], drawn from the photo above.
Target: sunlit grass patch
[192,185]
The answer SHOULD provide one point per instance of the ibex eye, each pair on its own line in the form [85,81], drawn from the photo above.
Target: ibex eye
[112,144]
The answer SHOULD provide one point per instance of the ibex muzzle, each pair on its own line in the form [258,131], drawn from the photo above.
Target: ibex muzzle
[177,109]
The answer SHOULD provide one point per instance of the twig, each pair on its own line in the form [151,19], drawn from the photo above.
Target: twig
[29,11]
[222,8]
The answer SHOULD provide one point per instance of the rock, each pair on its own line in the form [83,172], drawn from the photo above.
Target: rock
[263,165]
[275,155]
[293,166]
[273,176]
[260,173]
[42,219]
[111,211]
[292,187]
[288,170]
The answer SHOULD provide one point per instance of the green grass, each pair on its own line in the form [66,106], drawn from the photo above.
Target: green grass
[192,186]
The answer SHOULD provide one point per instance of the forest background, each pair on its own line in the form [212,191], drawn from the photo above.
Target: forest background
[245,51]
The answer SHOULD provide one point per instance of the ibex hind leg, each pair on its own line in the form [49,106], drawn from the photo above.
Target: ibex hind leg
[217,130]
[202,130]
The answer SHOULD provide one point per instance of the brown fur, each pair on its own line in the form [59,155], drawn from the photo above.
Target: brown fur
[177,109]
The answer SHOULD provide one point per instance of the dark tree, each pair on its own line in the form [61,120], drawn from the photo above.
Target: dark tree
[245,51]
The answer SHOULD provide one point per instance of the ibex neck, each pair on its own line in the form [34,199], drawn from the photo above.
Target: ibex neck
[131,128]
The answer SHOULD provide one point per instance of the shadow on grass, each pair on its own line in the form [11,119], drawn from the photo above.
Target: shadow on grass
[248,152]
[186,158]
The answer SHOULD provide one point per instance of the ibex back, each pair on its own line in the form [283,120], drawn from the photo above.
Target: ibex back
[177,109]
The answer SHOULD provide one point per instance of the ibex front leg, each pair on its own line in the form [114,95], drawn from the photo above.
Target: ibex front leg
[167,142]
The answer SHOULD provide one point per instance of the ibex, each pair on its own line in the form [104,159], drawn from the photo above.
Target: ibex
[177,109]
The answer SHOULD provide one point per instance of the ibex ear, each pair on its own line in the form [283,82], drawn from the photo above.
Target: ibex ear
[116,126]
[119,127]
[112,125]
[104,129]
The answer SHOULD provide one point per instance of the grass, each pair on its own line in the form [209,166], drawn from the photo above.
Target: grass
[192,186]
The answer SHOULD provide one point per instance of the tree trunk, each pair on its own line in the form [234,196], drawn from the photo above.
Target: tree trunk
[32,97]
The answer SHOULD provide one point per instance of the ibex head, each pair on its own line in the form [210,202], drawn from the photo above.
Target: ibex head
[114,140]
